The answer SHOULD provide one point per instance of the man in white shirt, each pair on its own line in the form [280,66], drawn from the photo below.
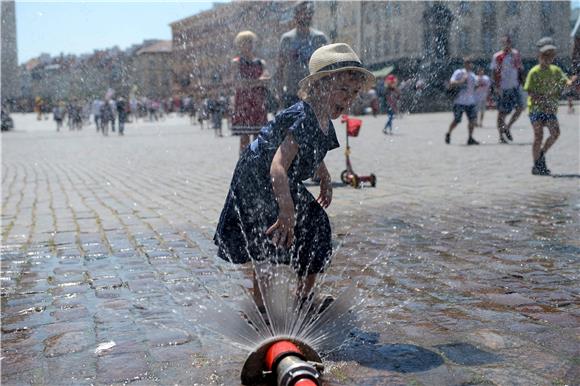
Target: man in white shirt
[507,75]
[465,101]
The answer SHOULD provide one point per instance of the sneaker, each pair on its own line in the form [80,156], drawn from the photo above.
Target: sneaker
[539,171]
[508,135]
[472,141]
[502,139]
[447,138]
[540,168]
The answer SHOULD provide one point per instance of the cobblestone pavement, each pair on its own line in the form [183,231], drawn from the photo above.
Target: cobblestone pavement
[473,261]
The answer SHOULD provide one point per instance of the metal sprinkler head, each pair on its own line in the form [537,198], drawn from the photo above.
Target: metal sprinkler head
[283,361]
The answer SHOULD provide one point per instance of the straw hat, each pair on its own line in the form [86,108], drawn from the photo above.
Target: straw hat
[244,36]
[334,58]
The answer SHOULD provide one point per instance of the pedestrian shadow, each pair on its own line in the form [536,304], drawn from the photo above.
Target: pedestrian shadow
[334,184]
[364,349]
[566,175]
[499,144]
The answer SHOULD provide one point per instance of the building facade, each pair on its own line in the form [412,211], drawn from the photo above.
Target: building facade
[203,45]
[9,69]
[153,70]
[393,31]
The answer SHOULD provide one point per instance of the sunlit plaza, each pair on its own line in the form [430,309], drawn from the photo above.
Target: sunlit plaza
[457,265]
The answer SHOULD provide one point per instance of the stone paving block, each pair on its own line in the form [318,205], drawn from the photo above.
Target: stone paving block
[67,343]
[125,367]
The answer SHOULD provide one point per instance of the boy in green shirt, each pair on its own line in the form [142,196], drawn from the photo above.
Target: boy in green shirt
[544,85]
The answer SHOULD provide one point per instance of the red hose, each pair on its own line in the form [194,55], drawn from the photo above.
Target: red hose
[305,382]
[277,349]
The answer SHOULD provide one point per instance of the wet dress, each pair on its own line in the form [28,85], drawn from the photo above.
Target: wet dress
[250,113]
[251,207]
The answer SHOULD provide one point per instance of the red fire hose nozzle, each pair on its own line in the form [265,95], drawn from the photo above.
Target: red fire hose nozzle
[285,361]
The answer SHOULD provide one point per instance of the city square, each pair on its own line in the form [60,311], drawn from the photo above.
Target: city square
[291,193]
[474,260]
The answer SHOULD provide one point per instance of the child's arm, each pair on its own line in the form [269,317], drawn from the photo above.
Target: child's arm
[325,196]
[283,229]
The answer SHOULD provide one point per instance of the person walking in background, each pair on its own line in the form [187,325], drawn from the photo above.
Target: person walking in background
[38,107]
[58,113]
[96,110]
[464,79]
[215,107]
[544,85]
[250,78]
[392,96]
[203,113]
[106,116]
[76,112]
[296,48]
[482,87]
[113,105]
[122,114]
[507,76]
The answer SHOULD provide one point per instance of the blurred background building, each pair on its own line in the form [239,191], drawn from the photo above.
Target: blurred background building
[9,70]
[419,40]
[152,70]
[203,44]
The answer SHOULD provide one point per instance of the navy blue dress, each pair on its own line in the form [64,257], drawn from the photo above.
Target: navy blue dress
[251,207]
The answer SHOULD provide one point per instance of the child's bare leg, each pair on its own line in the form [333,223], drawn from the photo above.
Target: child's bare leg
[306,284]
[501,122]
[538,138]
[554,128]
[258,299]
[452,126]
[514,117]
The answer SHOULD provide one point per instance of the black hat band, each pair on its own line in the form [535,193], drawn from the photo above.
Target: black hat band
[336,66]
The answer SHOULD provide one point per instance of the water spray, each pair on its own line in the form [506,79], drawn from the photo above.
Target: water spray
[283,361]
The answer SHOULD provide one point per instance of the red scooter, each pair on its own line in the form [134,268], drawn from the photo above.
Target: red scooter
[348,176]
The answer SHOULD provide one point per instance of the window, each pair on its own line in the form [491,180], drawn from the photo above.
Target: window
[397,8]
[513,8]
[389,9]
[464,42]
[464,8]
[546,11]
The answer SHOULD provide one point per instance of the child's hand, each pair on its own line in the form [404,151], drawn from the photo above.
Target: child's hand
[282,231]
[325,196]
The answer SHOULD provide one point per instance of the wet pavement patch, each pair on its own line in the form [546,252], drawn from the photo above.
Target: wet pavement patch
[467,354]
[403,358]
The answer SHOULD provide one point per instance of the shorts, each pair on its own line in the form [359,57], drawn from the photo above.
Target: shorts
[542,117]
[509,100]
[470,111]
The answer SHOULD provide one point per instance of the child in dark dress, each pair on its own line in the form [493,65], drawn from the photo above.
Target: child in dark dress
[269,214]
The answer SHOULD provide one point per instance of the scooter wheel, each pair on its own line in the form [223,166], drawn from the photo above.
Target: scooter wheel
[344,177]
[354,181]
[373,180]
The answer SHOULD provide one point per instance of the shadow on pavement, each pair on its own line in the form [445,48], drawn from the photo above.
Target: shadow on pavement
[566,175]
[467,354]
[403,358]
